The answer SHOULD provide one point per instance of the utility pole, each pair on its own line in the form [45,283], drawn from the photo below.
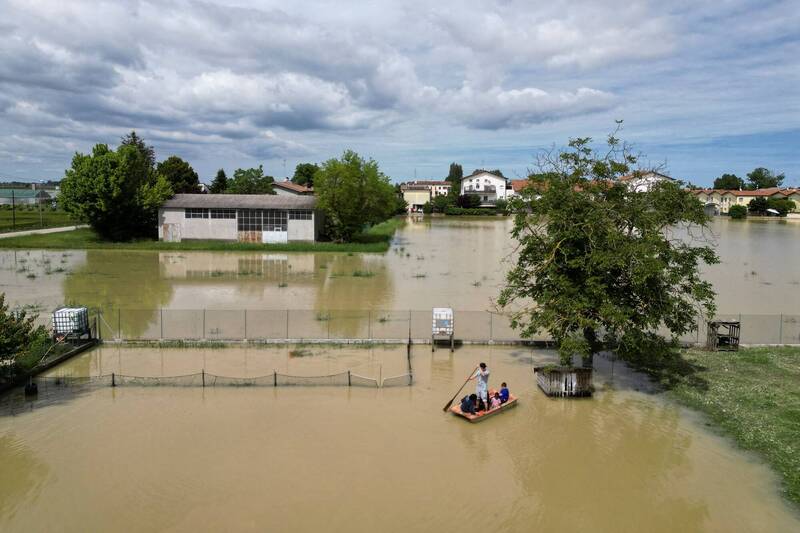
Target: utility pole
[13,212]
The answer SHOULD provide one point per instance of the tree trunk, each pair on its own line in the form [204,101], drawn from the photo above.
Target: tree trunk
[594,346]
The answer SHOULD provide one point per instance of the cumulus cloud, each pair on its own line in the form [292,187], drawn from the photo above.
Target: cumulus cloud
[266,79]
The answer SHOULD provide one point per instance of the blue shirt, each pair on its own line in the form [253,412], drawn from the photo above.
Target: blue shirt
[504,394]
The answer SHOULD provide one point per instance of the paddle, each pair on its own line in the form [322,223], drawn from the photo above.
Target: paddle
[446,407]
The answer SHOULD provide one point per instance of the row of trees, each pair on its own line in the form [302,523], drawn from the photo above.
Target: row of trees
[118,192]
[759,178]
[759,206]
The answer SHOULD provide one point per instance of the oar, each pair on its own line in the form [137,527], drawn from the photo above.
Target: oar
[446,407]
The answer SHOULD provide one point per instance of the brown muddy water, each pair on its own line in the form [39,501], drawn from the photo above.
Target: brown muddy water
[357,459]
[433,262]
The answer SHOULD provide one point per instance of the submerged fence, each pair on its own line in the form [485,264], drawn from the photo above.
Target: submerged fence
[369,325]
[205,379]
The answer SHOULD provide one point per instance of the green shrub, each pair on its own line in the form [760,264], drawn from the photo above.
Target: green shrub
[475,211]
[737,211]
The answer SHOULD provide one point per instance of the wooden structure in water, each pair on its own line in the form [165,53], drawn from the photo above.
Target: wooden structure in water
[443,326]
[723,335]
[564,381]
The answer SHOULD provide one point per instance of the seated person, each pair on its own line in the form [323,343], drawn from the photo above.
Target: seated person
[496,400]
[468,404]
[503,393]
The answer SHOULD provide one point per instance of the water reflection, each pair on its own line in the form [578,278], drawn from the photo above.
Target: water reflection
[22,476]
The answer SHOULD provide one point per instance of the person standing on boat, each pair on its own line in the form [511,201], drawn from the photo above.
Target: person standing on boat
[482,385]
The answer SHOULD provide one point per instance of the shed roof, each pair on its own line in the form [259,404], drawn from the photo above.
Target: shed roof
[293,187]
[241,201]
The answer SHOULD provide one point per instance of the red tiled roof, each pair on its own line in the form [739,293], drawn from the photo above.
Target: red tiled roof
[518,185]
[758,192]
[294,187]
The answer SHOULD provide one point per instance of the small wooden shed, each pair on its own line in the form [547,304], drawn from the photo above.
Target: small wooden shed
[723,335]
[564,381]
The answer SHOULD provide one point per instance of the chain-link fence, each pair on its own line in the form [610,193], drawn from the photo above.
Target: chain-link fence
[370,325]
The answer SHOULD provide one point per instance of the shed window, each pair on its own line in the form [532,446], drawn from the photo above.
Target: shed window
[223,213]
[300,214]
[261,220]
[196,213]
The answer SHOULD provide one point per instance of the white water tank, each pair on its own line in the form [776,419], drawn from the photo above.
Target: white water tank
[442,321]
[67,320]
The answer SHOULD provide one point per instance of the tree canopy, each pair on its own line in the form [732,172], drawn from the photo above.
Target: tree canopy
[729,181]
[455,174]
[304,174]
[179,174]
[600,266]
[353,193]
[762,178]
[250,181]
[17,330]
[220,183]
[117,192]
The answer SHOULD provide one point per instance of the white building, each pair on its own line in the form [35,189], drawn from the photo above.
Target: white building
[643,181]
[266,218]
[487,186]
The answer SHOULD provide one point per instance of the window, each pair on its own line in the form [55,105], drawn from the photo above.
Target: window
[301,214]
[261,220]
[223,213]
[195,213]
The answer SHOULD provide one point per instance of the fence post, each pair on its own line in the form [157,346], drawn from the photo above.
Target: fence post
[274,378]
[203,376]
[113,380]
[369,324]
[348,379]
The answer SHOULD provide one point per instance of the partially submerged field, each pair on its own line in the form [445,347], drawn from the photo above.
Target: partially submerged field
[754,396]
[375,239]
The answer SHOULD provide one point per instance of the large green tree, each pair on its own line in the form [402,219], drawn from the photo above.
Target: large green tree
[600,266]
[17,330]
[304,174]
[250,181]
[179,174]
[762,178]
[729,181]
[353,193]
[117,192]
[220,183]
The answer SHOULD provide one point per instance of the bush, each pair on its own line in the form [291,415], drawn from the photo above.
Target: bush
[475,212]
[781,205]
[737,211]
[427,208]
[501,205]
[469,201]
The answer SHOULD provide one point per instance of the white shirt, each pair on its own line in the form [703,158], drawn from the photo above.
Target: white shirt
[483,379]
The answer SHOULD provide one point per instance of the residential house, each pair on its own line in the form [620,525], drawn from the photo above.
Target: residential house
[267,218]
[419,192]
[487,186]
[719,201]
[643,181]
[288,188]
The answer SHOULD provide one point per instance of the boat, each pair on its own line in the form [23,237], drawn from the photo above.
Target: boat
[483,415]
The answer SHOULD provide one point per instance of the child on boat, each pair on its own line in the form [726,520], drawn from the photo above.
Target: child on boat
[503,393]
[496,401]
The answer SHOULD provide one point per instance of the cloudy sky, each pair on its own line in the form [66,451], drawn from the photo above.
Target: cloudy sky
[705,87]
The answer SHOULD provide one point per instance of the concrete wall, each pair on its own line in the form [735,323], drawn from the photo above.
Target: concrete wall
[300,230]
[194,228]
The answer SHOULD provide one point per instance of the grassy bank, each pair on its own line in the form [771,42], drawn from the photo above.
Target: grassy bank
[374,240]
[754,396]
[23,218]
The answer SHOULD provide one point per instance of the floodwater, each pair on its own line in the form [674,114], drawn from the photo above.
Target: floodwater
[359,459]
[433,262]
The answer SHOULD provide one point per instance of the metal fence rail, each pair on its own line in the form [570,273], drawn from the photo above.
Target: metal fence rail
[297,325]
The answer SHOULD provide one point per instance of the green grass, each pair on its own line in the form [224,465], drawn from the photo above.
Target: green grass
[754,396]
[374,240]
[29,219]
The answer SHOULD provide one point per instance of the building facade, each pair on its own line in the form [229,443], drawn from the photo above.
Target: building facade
[265,218]
[719,201]
[419,192]
[643,181]
[487,186]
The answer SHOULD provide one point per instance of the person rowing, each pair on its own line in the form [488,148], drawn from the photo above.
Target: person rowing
[482,385]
